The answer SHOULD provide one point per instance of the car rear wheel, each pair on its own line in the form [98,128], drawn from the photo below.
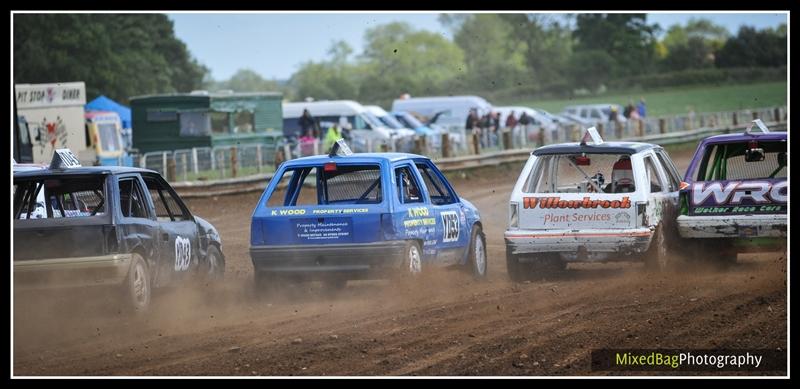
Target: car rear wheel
[137,285]
[477,254]
[412,259]
[518,271]
[657,255]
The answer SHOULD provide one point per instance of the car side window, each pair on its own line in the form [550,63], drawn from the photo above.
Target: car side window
[168,207]
[652,173]
[673,179]
[131,199]
[407,187]
[440,194]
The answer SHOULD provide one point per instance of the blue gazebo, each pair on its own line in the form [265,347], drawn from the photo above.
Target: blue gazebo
[103,103]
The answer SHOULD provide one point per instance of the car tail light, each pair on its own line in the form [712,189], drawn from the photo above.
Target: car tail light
[641,214]
[514,215]
[330,167]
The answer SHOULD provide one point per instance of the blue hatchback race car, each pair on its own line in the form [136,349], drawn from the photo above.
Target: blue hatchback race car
[362,216]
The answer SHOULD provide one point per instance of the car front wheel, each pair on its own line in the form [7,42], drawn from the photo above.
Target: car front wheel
[477,254]
[137,286]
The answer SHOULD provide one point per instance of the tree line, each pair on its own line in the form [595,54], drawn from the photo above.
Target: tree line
[542,54]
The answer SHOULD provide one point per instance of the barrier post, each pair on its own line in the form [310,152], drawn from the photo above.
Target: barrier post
[170,169]
[506,140]
[259,158]
[445,146]
[234,161]
[662,125]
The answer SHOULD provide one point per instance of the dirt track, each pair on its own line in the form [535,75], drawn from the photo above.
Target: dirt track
[444,324]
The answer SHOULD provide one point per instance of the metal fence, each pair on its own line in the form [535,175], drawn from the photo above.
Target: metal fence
[206,164]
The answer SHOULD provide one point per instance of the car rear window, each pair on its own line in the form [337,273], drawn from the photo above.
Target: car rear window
[59,197]
[313,185]
[727,161]
[575,173]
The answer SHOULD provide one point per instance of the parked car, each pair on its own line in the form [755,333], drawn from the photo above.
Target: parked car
[361,216]
[107,226]
[735,195]
[450,111]
[432,130]
[537,121]
[595,113]
[598,201]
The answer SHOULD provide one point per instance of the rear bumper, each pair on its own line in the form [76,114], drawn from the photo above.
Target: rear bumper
[621,241]
[365,260]
[734,226]
[71,272]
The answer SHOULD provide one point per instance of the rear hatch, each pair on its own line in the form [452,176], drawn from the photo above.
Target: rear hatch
[576,192]
[333,203]
[61,216]
[738,178]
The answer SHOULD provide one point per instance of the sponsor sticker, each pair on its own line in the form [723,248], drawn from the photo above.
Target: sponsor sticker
[183,253]
[451,226]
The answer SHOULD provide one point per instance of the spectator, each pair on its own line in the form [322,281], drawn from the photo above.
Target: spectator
[628,110]
[495,127]
[472,119]
[486,129]
[524,119]
[334,133]
[612,114]
[511,121]
[307,143]
[307,123]
[642,108]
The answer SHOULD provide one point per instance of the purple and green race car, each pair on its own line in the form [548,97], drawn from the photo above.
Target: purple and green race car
[735,193]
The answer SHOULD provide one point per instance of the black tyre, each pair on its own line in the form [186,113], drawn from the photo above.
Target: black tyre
[412,259]
[213,268]
[656,258]
[137,286]
[517,271]
[264,282]
[478,263]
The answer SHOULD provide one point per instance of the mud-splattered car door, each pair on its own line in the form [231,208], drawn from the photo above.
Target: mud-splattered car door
[177,236]
[137,224]
[663,202]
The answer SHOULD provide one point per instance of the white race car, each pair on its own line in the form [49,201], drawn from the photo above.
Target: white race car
[599,201]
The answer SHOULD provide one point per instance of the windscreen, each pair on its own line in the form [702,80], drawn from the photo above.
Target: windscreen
[339,184]
[109,137]
[59,197]
[727,161]
[577,173]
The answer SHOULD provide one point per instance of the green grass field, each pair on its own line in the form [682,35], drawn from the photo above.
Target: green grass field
[676,101]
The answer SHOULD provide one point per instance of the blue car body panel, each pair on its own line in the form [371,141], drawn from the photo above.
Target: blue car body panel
[320,235]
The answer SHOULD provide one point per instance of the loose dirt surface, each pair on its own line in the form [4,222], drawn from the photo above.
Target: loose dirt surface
[442,324]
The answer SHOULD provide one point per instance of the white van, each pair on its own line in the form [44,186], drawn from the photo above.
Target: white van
[452,110]
[365,127]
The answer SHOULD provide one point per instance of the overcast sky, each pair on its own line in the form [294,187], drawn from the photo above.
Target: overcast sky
[274,44]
